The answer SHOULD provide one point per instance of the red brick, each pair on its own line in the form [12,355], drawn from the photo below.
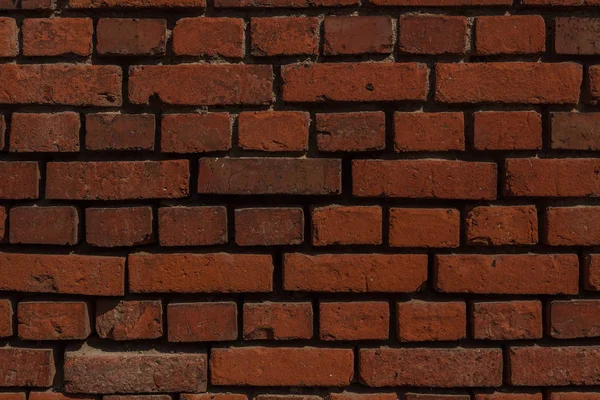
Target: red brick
[9,37]
[574,319]
[429,131]
[574,396]
[354,320]
[269,226]
[594,82]
[206,84]
[26,367]
[6,319]
[354,82]
[138,397]
[458,367]
[420,321]
[3,215]
[287,397]
[363,396]
[507,320]
[358,131]
[502,225]
[307,176]
[112,131]
[50,395]
[2,132]
[509,396]
[65,274]
[286,3]
[195,133]
[126,36]
[559,177]
[577,36]
[202,322]
[90,370]
[419,396]
[200,273]
[575,131]
[286,366]
[508,82]
[45,132]
[278,321]
[591,272]
[507,130]
[64,84]
[129,319]
[515,34]
[209,37]
[44,225]
[136,3]
[358,273]
[117,180]
[507,274]
[424,227]
[424,179]
[572,226]
[53,320]
[27,5]
[357,35]
[284,36]
[432,34]
[554,366]
[113,227]
[213,396]
[192,226]
[14,396]
[346,225]
[20,180]
[442,3]
[57,36]
[273,130]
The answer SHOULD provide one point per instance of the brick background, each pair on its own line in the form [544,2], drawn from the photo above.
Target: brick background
[299,200]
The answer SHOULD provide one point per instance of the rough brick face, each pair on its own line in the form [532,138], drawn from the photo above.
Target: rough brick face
[53,320]
[509,320]
[113,227]
[284,36]
[273,131]
[429,131]
[109,131]
[57,36]
[576,35]
[424,227]
[6,318]
[420,321]
[432,34]
[574,319]
[125,37]
[278,321]
[356,35]
[519,34]
[269,226]
[569,226]
[129,319]
[507,130]
[575,131]
[9,43]
[350,132]
[195,133]
[346,225]
[209,37]
[202,322]
[192,226]
[354,320]
[26,367]
[44,132]
[502,225]
[44,225]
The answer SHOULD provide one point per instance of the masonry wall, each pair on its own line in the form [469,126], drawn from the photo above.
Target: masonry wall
[299,200]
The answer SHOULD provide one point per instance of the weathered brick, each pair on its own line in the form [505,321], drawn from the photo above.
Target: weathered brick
[9,37]
[515,34]
[206,84]
[574,319]
[575,131]
[284,36]
[113,227]
[507,274]
[44,225]
[64,84]
[432,34]
[572,226]
[363,396]
[91,370]
[117,180]
[507,320]
[346,225]
[27,5]
[209,37]
[354,320]
[507,130]
[6,318]
[286,3]
[213,396]
[360,273]
[46,320]
[420,321]
[57,36]
[200,273]
[278,321]
[577,35]
[202,322]
[129,319]
[358,131]
[20,180]
[574,396]
[421,179]
[554,366]
[458,367]
[112,131]
[57,132]
[358,34]
[26,367]
[269,226]
[420,396]
[354,82]
[502,225]
[429,131]
[286,366]
[195,133]
[424,227]
[591,272]
[14,395]
[192,226]
[273,130]
[270,176]
[127,36]
[442,3]
[136,4]
[65,274]
[509,396]
[509,82]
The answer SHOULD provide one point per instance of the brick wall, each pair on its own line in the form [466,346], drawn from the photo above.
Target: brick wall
[299,200]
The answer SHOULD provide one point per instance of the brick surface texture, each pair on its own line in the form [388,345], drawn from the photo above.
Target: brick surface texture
[299,199]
